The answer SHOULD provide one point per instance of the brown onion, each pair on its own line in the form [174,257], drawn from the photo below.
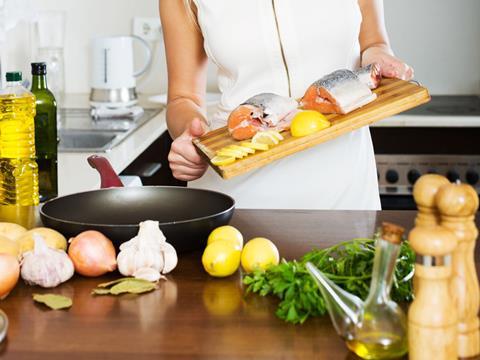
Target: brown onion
[92,253]
[9,273]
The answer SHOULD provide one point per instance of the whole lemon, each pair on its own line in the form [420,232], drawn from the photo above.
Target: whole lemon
[308,122]
[226,232]
[221,258]
[259,253]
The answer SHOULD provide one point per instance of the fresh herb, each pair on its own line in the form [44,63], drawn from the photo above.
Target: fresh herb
[124,285]
[348,264]
[53,301]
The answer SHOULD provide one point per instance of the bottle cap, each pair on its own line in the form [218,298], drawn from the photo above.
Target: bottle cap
[392,233]
[39,68]
[14,76]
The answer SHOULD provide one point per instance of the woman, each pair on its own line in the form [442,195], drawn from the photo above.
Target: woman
[278,46]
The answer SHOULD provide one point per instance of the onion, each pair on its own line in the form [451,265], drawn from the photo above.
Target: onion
[92,253]
[9,273]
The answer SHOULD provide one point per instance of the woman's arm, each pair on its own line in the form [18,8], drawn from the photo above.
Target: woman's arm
[187,69]
[374,43]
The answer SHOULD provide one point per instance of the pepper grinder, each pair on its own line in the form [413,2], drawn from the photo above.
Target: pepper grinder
[424,192]
[432,319]
[458,204]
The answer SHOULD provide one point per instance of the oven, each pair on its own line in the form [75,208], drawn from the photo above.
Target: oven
[440,137]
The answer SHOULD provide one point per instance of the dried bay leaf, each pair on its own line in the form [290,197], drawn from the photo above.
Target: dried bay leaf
[124,285]
[110,283]
[132,287]
[53,301]
[100,291]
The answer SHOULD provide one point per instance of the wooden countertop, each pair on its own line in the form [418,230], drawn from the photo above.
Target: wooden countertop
[191,316]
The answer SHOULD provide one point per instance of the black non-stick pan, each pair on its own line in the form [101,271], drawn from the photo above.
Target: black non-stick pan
[186,215]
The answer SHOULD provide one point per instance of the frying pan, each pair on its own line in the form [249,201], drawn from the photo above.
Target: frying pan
[186,216]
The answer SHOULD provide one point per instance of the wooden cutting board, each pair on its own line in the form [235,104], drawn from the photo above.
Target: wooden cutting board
[393,97]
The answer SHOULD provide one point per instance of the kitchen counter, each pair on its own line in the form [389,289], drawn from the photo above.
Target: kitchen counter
[74,173]
[192,315]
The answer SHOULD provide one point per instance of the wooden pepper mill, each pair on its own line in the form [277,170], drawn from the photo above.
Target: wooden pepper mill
[458,204]
[432,319]
[424,192]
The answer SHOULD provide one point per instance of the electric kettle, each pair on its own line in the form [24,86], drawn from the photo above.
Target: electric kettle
[113,75]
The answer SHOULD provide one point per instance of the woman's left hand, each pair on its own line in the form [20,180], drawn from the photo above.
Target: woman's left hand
[390,66]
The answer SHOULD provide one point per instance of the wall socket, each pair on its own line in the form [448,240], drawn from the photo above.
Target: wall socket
[147,28]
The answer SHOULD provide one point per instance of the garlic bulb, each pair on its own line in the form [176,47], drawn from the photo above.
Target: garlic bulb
[147,255]
[45,266]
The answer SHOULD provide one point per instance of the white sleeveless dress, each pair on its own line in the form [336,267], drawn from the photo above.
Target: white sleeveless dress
[245,38]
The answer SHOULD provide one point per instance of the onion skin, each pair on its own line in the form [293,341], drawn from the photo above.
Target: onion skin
[92,254]
[9,273]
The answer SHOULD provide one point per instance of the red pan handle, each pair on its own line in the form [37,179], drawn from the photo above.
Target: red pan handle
[108,176]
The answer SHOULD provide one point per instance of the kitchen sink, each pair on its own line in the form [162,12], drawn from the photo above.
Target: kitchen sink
[78,132]
[85,140]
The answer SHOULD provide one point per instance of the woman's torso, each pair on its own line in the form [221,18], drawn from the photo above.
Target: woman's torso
[282,46]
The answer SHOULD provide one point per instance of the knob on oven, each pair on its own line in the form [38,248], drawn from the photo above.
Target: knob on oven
[472,177]
[413,175]
[453,176]
[391,176]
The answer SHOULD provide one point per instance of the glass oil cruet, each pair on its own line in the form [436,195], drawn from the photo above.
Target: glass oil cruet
[377,327]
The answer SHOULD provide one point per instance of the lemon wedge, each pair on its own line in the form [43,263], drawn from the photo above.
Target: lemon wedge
[275,134]
[231,152]
[220,160]
[244,149]
[254,146]
[265,137]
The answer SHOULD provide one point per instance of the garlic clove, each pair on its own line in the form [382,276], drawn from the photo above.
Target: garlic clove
[169,257]
[149,274]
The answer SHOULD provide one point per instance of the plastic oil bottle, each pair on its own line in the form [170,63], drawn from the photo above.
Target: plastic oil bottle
[18,168]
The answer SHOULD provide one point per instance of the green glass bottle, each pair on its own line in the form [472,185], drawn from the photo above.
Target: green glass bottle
[46,141]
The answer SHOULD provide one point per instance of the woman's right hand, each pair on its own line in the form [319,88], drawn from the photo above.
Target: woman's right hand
[185,162]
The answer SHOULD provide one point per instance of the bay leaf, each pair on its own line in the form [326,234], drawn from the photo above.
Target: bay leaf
[110,283]
[132,287]
[100,291]
[53,301]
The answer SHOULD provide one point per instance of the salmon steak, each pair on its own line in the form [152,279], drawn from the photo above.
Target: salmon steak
[342,91]
[261,112]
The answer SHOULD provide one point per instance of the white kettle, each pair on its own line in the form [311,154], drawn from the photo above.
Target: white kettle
[113,74]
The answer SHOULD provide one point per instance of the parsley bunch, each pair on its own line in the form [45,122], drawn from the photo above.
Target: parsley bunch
[349,264]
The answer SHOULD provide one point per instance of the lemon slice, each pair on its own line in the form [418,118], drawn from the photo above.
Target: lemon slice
[244,149]
[231,152]
[275,134]
[255,146]
[265,137]
[220,160]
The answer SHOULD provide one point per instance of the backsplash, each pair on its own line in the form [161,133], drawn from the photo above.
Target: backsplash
[439,38]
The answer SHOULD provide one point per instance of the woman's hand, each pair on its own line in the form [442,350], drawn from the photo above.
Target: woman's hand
[185,162]
[390,66]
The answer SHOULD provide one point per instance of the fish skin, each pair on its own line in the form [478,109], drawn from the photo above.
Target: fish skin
[265,111]
[341,91]
[370,75]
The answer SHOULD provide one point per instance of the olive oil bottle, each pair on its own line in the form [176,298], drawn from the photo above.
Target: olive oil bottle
[45,133]
[18,168]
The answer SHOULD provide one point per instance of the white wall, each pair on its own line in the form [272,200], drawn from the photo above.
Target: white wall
[440,38]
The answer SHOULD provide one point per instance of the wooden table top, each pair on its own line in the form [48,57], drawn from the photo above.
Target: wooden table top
[192,315]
